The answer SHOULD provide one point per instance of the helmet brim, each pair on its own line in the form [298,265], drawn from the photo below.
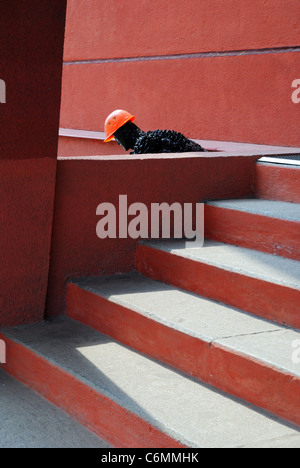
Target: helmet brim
[111,136]
[108,139]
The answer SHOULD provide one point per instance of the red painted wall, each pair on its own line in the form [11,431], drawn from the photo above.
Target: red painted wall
[134,28]
[213,70]
[84,183]
[31,48]
[86,147]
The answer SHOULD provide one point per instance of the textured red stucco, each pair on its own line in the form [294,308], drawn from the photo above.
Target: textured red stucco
[26,210]
[31,49]
[275,182]
[252,231]
[244,98]
[86,147]
[98,30]
[82,184]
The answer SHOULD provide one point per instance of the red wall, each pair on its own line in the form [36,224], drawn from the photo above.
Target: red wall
[133,28]
[213,70]
[84,183]
[31,48]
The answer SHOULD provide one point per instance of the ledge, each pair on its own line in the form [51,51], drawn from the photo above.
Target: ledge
[215,148]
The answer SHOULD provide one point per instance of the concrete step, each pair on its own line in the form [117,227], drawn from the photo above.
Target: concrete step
[30,421]
[236,352]
[131,400]
[255,282]
[277,182]
[268,226]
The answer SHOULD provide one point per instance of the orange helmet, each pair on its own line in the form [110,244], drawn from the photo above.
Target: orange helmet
[114,121]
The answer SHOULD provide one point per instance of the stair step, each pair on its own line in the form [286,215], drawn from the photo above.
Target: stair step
[130,400]
[236,352]
[30,421]
[268,226]
[277,182]
[256,282]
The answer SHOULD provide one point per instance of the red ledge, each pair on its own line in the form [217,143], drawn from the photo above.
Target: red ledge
[215,148]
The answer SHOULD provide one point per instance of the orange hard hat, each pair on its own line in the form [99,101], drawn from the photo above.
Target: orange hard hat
[114,121]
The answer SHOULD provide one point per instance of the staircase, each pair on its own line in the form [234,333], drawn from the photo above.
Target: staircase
[197,347]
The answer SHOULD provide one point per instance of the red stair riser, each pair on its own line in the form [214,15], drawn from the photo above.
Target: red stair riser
[223,368]
[270,301]
[270,235]
[275,391]
[108,420]
[135,330]
[275,182]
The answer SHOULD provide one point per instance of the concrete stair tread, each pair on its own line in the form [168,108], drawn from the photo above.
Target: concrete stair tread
[188,411]
[30,421]
[199,317]
[273,209]
[248,262]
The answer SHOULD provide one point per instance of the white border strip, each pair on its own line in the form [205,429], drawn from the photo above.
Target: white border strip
[287,162]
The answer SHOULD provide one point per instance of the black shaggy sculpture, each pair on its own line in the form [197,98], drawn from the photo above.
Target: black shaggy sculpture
[119,125]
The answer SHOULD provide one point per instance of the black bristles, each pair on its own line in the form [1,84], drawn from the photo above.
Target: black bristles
[158,141]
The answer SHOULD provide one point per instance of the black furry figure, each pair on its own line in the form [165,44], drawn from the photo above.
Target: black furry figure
[158,141]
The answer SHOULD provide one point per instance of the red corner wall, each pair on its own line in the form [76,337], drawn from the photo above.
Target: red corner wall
[84,183]
[31,49]
[214,70]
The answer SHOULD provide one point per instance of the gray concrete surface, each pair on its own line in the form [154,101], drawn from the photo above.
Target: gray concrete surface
[252,263]
[187,410]
[199,317]
[27,420]
[271,209]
